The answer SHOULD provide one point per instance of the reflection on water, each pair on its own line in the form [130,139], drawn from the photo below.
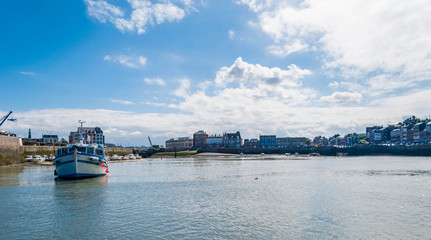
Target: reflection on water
[8,175]
[230,197]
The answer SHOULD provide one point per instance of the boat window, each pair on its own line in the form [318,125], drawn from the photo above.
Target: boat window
[81,149]
[59,151]
[90,150]
[99,151]
[64,150]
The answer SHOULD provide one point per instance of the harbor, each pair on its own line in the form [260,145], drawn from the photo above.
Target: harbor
[222,196]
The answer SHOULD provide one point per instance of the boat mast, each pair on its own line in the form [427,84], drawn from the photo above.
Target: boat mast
[82,137]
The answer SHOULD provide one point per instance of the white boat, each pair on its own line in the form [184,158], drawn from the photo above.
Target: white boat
[137,156]
[37,158]
[115,157]
[81,160]
[131,156]
[28,158]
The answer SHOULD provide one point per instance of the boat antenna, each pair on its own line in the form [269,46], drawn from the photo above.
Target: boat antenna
[82,123]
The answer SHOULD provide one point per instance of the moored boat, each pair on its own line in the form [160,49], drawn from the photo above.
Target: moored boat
[81,160]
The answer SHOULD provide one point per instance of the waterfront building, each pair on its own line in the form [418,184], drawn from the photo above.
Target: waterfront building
[428,127]
[371,131]
[251,143]
[232,140]
[419,133]
[396,135]
[182,143]
[46,138]
[351,139]
[281,142]
[404,130]
[92,135]
[49,138]
[291,141]
[215,141]
[200,139]
[319,140]
[267,140]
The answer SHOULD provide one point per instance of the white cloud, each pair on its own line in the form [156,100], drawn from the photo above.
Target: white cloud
[124,102]
[246,73]
[338,98]
[143,13]
[359,39]
[231,110]
[28,73]
[128,61]
[157,81]
[183,90]
[231,34]
[103,11]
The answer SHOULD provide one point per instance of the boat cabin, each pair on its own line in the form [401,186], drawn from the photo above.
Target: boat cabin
[91,150]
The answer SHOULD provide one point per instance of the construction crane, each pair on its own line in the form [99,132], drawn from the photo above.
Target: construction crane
[3,119]
[151,144]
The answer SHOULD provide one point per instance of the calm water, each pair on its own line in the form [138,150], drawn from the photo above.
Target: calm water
[220,198]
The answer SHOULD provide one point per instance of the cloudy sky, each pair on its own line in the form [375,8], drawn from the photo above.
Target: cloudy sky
[167,68]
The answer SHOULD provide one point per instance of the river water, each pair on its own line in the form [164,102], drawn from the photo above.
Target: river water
[253,197]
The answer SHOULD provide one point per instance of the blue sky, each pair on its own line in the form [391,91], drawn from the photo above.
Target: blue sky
[168,68]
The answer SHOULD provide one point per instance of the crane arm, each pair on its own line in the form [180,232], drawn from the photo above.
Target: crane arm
[4,118]
[151,144]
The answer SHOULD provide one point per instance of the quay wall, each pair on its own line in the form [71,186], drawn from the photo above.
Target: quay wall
[361,150]
[11,150]
[33,149]
[118,150]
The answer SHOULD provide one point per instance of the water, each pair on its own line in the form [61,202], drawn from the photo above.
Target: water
[255,197]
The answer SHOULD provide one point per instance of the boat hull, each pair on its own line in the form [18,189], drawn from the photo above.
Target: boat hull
[77,165]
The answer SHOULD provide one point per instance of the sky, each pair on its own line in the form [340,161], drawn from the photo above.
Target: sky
[168,68]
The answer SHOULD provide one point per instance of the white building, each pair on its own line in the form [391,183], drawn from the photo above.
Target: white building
[90,134]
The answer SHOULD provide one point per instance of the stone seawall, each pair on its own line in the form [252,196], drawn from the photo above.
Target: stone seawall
[362,150]
[34,149]
[11,150]
[118,150]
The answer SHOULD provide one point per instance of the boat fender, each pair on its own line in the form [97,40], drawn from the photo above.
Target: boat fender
[93,158]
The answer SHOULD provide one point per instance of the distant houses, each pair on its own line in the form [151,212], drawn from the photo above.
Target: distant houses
[232,140]
[410,131]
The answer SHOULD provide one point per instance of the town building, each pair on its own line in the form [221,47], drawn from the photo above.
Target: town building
[396,135]
[251,143]
[291,142]
[215,141]
[46,138]
[419,133]
[49,138]
[351,139]
[93,135]
[182,143]
[281,142]
[232,140]
[200,139]
[319,140]
[267,141]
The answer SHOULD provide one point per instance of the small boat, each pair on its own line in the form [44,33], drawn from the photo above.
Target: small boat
[137,156]
[115,157]
[37,158]
[131,156]
[80,160]
[28,158]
